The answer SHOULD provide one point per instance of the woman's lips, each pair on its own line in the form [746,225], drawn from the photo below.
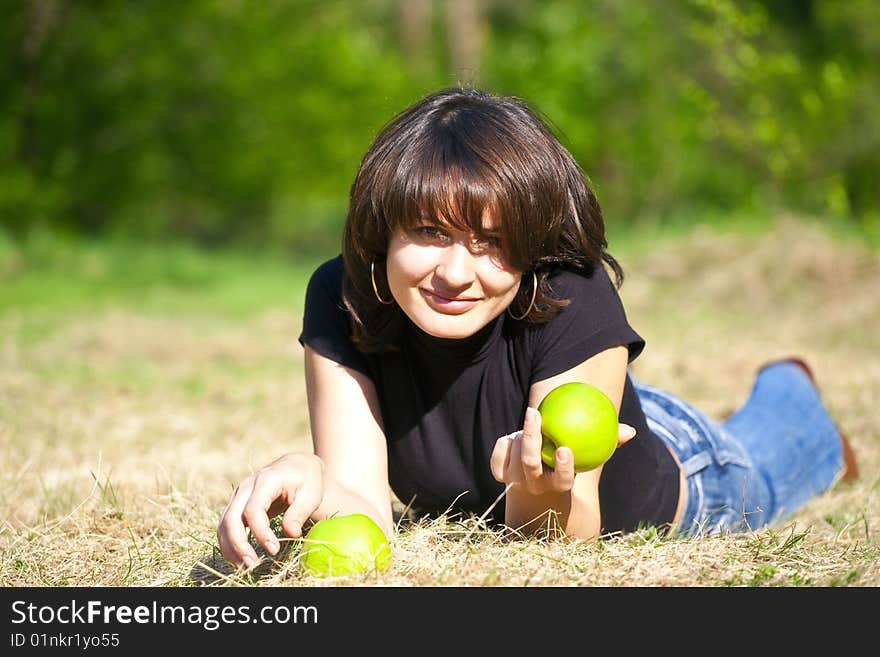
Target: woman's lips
[448,305]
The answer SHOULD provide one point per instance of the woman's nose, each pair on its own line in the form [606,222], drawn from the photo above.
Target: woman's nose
[456,266]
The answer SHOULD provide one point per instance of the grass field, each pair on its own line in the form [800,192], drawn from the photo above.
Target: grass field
[138,385]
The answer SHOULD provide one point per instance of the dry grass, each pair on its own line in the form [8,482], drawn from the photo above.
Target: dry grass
[122,432]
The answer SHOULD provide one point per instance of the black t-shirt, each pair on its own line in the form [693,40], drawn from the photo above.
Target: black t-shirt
[445,402]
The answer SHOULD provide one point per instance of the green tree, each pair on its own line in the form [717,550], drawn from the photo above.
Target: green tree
[218,121]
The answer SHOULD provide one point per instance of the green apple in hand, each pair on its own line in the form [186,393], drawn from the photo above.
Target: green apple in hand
[581,417]
[344,545]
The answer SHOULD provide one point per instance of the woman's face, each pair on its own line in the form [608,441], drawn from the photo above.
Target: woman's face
[450,283]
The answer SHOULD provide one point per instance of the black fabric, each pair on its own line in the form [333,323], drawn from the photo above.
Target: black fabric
[445,402]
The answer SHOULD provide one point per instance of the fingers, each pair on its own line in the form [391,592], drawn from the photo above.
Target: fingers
[231,532]
[516,459]
[625,434]
[538,477]
[499,462]
[307,499]
[562,476]
[530,452]
[292,484]
[532,465]
[267,488]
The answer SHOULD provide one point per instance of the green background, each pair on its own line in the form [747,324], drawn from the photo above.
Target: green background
[232,122]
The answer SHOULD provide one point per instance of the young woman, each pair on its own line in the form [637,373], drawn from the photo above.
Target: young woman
[474,278]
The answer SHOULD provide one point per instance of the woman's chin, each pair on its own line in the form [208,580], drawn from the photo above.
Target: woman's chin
[451,327]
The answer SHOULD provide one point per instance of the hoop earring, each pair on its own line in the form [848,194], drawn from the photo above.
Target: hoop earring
[375,289]
[531,303]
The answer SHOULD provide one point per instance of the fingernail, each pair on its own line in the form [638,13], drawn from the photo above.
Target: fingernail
[629,432]
[532,414]
[272,547]
[248,562]
[562,456]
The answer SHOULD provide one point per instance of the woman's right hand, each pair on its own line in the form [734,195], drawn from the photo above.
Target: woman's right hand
[292,484]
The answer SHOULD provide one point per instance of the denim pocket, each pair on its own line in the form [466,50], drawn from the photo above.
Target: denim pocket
[726,449]
[697,440]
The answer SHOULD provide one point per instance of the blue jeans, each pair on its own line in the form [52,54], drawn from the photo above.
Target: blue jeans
[776,452]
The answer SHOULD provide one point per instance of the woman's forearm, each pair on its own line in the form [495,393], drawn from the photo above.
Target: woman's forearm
[339,500]
[569,512]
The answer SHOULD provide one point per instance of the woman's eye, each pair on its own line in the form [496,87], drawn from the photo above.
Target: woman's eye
[431,233]
[486,243]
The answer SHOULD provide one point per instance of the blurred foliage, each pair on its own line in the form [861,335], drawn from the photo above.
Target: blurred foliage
[228,120]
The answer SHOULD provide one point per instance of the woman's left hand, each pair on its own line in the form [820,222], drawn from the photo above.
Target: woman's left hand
[516,458]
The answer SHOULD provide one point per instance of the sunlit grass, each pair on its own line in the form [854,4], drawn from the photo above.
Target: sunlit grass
[139,385]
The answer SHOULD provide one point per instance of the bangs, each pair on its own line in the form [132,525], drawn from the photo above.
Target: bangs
[459,165]
[462,180]
[440,187]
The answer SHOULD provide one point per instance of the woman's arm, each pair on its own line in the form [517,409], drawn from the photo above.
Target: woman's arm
[560,500]
[348,437]
[347,473]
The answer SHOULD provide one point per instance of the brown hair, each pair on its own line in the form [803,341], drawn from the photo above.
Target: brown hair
[452,156]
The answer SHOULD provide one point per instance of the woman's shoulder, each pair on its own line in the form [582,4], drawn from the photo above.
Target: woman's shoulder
[593,320]
[330,270]
[326,324]
[566,282]
[326,279]
[591,304]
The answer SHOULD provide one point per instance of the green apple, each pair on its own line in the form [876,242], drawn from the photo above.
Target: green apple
[344,545]
[581,417]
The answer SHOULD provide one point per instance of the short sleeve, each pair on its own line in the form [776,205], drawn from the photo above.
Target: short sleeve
[326,322]
[593,321]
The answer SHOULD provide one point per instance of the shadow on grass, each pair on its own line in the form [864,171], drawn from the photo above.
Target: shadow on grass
[213,569]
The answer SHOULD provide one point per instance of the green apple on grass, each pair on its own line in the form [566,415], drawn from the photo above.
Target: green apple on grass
[581,417]
[344,545]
